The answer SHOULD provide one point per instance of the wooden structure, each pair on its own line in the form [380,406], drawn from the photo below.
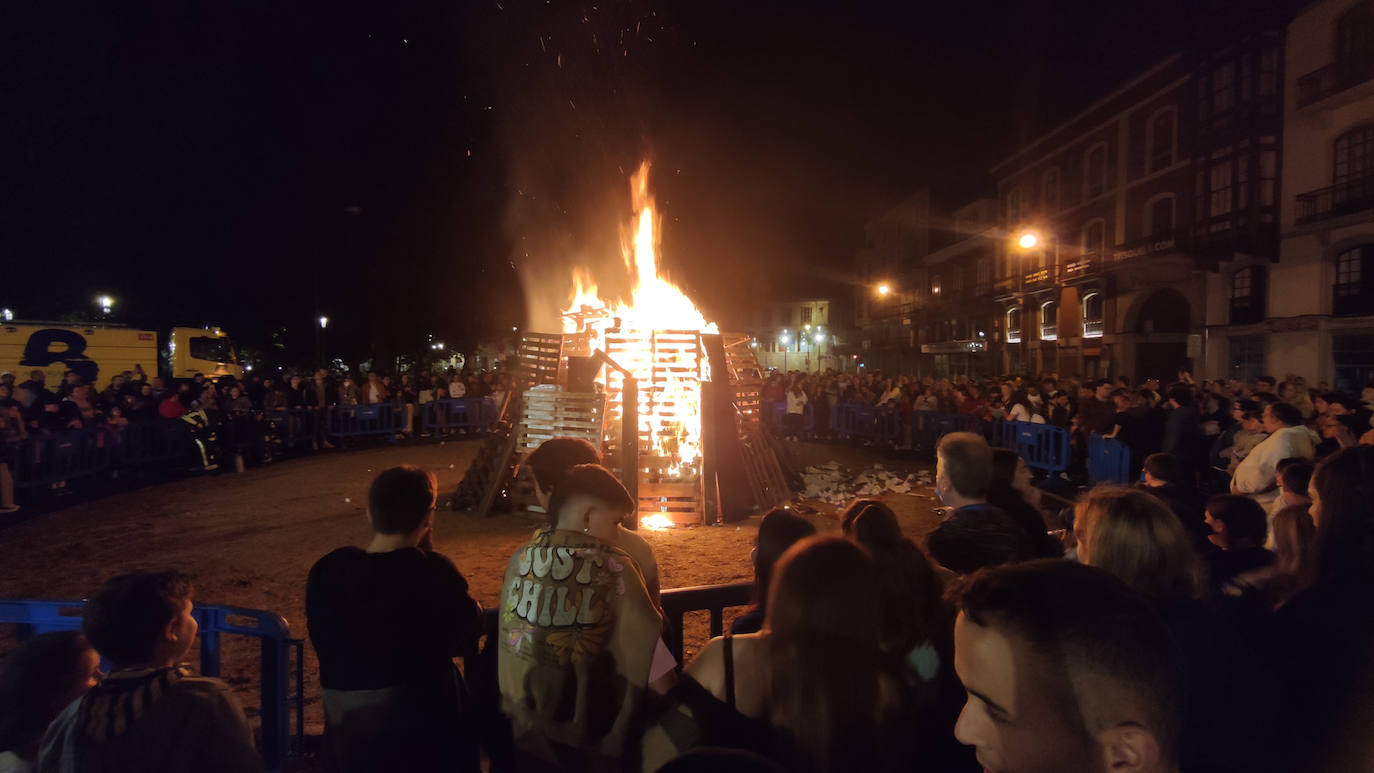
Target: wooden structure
[699,447]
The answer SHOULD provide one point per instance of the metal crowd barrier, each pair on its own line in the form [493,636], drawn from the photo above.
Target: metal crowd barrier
[65,456]
[280,700]
[1109,460]
[351,421]
[460,413]
[154,443]
[775,414]
[1045,447]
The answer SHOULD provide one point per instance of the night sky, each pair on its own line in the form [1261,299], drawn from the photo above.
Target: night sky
[409,168]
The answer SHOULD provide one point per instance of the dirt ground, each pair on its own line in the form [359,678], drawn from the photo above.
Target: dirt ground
[250,539]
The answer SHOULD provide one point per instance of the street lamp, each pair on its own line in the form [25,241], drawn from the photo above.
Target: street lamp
[105,303]
[884,289]
[7,314]
[1028,240]
[324,322]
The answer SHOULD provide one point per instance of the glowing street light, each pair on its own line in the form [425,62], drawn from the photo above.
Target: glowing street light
[7,314]
[324,322]
[884,289]
[105,303]
[1028,240]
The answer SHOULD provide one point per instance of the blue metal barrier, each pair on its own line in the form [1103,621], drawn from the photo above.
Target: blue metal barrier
[1045,447]
[774,413]
[279,699]
[456,413]
[927,427]
[66,456]
[350,421]
[1109,460]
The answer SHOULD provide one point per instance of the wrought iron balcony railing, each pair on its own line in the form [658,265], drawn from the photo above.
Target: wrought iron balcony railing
[1333,78]
[1342,198]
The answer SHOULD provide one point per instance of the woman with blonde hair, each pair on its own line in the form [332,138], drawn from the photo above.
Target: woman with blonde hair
[1230,710]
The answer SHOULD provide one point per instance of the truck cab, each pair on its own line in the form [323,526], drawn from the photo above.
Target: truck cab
[209,350]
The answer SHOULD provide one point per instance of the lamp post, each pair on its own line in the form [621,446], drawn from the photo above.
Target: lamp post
[105,303]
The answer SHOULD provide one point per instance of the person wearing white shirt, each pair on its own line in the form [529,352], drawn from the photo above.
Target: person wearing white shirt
[1288,438]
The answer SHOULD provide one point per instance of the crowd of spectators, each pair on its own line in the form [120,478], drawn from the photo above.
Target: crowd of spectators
[257,418]
[1211,427]
[1120,633]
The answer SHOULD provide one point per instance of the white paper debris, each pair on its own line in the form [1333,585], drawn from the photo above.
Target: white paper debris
[830,483]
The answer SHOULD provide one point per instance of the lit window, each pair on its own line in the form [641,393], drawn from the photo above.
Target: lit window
[1049,321]
[1092,315]
[1014,325]
[1094,238]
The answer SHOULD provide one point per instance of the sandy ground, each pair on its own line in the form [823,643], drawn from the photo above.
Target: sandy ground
[250,539]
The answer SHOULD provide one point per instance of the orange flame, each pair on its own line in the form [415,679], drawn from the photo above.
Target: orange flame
[670,408]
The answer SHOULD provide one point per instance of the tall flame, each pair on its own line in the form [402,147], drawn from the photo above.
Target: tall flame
[655,303]
[669,398]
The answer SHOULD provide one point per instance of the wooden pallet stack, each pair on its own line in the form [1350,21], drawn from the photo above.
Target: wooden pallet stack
[767,483]
[540,357]
[551,412]
[669,366]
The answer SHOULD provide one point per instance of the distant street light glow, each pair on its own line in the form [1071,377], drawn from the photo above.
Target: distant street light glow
[7,314]
[884,289]
[1028,240]
[105,303]
[324,322]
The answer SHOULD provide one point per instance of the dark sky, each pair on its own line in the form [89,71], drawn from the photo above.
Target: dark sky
[418,167]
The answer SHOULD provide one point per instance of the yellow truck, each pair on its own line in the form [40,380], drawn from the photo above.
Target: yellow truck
[99,352]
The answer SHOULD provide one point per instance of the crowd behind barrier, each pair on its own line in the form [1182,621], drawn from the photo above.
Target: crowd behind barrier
[56,440]
[1065,427]
[281,674]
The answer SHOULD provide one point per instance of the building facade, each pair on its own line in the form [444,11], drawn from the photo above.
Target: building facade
[1118,221]
[892,286]
[1313,310]
[956,335]
[804,334]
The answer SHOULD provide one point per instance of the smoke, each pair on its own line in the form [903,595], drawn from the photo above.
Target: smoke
[572,94]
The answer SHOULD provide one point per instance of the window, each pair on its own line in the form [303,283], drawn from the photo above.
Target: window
[956,282]
[1161,133]
[1353,155]
[1247,357]
[1220,199]
[1014,205]
[1092,315]
[1223,87]
[1050,184]
[1049,321]
[1014,325]
[1355,42]
[1160,218]
[1243,182]
[1204,97]
[1095,172]
[1094,238]
[1348,265]
[1200,197]
[984,272]
[1268,72]
[1247,295]
[212,349]
[806,315]
[1268,173]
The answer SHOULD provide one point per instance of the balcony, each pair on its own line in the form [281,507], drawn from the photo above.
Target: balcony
[1352,299]
[1341,199]
[1333,79]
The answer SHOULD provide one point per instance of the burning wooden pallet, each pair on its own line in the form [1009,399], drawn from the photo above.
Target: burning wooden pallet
[668,366]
